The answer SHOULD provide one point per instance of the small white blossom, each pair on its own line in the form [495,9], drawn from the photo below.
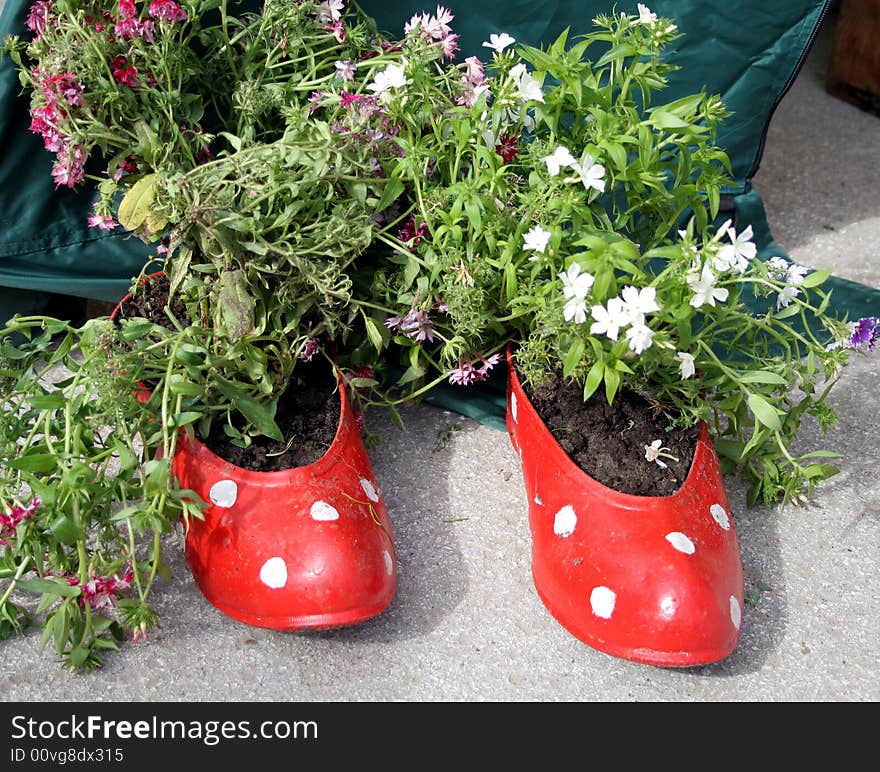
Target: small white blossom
[609,320]
[704,288]
[560,157]
[528,87]
[575,310]
[639,302]
[393,76]
[536,239]
[330,10]
[686,365]
[655,450]
[646,16]
[590,173]
[736,255]
[640,337]
[576,284]
[779,269]
[499,42]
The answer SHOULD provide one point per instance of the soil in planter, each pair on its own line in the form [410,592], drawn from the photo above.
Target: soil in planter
[308,416]
[149,302]
[608,441]
[308,412]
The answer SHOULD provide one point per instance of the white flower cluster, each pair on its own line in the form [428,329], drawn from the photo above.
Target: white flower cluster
[590,173]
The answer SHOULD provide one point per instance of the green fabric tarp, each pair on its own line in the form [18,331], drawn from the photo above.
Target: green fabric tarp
[748,51]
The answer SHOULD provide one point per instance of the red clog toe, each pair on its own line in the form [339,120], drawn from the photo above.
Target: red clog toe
[307,548]
[656,580]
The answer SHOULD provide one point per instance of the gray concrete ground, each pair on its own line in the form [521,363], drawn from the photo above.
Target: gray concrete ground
[467,625]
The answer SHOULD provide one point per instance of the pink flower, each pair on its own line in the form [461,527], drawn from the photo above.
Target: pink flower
[337,29]
[467,373]
[347,99]
[38,17]
[123,73]
[68,167]
[10,520]
[167,10]
[449,45]
[102,221]
[413,324]
[127,8]
[127,28]
[345,70]
[100,591]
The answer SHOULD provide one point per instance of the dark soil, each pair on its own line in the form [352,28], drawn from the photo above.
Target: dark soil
[149,301]
[308,416]
[608,441]
[308,412]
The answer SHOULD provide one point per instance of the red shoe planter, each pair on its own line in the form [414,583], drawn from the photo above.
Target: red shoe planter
[652,579]
[307,548]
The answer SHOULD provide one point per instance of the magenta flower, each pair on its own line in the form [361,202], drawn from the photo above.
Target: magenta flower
[38,17]
[123,73]
[413,324]
[865,332]
[102,221]
[127,8]
[468,373]
[167,10]
[412,234]
[11,519]
[127,28]
[337,29]
[68,167]
[100,591]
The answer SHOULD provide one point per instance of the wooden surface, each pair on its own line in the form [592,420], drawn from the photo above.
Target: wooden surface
[854,70]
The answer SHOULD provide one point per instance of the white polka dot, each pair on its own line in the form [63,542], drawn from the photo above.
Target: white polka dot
[565,521]
[538,500]
[223,493]
[602,600]
[735,612]
[720,515]
[369,489]
[321,510]
[389,562]
[274,573]
[668,606]
[681,542]
[513,406]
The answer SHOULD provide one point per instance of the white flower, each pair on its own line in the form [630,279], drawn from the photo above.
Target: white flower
[528,87]
[561,157]
[736,255]
[574,283]
[536,239]
[639,302]
[646,16]
[779,269]
[499,42]
[330,10]
[609,320]
[704,288]
[590,173]
[655,450]
[393,76]
[575,309]
[687,364]
[639,337]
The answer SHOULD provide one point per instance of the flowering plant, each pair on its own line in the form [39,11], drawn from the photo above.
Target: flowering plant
[556,204]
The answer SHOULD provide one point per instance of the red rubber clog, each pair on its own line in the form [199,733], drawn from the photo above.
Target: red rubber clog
[308,548]
[651,579]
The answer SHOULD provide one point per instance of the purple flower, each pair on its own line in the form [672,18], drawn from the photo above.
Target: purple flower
[865,332]
[413,324]
[309,350]
[467,372]
[10,520]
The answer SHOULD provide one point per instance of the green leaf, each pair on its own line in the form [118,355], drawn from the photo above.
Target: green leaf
[612,383]
[47,401]
[392,192]
[184,418]
[66,531]
[36,462]
[593,379]
[572,357]
[234,310]
[761,376]
[815,278]
[665,120]
[253,411]
[373,333]
[57,586]
[137,203]
[764,412]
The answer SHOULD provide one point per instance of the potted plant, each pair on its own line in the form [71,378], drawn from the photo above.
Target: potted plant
[558,207]
[262,208]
